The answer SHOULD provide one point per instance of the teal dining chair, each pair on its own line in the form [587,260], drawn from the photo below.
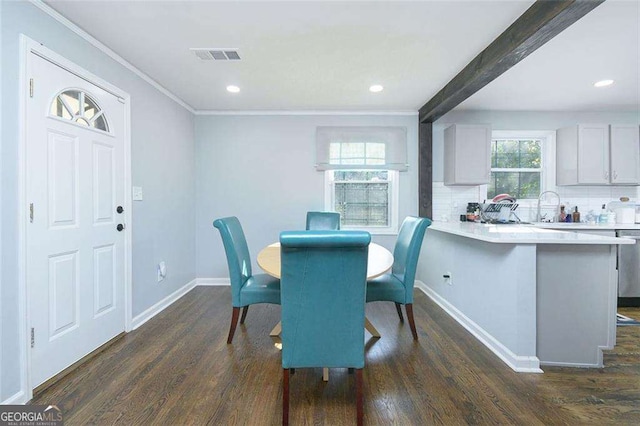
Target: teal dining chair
[246,288]
[323,280]
[323,221]
[397,286]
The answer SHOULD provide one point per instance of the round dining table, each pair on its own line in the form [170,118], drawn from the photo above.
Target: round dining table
[379,261]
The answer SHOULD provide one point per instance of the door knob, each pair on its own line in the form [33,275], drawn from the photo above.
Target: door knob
[119,209]
[120,227]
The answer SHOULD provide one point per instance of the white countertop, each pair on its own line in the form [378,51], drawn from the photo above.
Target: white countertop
[522,234]
[587,226]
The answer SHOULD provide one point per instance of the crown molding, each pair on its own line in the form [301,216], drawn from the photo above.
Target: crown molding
[113,55]
[304,112]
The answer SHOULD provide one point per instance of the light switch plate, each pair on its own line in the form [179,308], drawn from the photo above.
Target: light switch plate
[137,193]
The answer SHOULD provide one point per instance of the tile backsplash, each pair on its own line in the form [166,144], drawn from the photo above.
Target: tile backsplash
[449,202]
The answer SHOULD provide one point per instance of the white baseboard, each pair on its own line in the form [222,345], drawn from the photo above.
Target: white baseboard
[521,364]
[154,310]
[19,398]
[599,364]
[212,281]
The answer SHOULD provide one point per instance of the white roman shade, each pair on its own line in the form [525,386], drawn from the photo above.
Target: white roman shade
[361,148]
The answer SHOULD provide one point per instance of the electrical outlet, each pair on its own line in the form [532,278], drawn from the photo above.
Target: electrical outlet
[162,271]
[448,278]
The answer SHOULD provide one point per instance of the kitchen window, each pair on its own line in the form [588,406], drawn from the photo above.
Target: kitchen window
[520,164]
[361,167]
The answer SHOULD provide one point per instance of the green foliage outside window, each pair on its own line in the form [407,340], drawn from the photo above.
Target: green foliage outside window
[515,168]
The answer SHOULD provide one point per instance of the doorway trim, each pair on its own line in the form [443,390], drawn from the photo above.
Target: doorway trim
[27,46]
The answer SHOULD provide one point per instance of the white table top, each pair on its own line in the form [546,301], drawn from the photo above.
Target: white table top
[380,260]
[521,234]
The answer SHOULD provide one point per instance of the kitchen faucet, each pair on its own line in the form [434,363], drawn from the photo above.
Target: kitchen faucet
[557,215]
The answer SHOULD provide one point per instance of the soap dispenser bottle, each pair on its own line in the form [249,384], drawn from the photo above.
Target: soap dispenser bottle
[563,214]
[576,215]
[604,216]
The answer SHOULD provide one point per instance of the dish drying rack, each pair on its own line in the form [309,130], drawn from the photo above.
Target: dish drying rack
[490,212]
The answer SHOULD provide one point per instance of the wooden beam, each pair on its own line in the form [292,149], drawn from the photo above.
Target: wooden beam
[425,170]
[540,23]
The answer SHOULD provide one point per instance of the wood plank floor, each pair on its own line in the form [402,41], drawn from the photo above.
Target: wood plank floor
[177,369]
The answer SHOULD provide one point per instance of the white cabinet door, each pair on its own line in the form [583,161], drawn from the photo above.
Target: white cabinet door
[467,154]
[593,154]
[625,154]
[598,154]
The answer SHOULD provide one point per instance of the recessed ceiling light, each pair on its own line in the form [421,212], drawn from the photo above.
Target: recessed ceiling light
[603,83]
[233,89]
[376,88]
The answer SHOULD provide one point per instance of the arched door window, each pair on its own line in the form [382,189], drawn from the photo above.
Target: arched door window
[79,107]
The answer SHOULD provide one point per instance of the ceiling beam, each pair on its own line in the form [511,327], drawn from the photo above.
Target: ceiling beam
[540,23]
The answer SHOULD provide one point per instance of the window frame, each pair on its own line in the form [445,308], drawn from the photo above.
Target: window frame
[72,120]
[547,164]
[393,179]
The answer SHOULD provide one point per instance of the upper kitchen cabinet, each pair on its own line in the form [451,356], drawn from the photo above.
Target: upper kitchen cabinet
[598,154]
[625,155]
[467,154]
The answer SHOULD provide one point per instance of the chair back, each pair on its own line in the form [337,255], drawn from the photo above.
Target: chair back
[322,291]
[407,250]
[237,251]
[323,221]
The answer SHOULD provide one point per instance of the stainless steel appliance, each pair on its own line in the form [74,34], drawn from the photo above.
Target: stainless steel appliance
[629,270]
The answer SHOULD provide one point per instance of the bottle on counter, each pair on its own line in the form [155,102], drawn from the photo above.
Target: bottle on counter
[604,215]
[576,215]
[563,214]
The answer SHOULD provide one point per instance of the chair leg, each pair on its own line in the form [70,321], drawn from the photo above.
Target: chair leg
[359,398]
[412,324]
[399,312]
[244,314]
[285,397]
[234,322]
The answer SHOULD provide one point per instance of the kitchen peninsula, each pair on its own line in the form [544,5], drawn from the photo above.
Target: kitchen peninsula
[533,296]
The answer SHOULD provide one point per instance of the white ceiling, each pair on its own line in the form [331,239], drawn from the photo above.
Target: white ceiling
[605,44]
[314,55]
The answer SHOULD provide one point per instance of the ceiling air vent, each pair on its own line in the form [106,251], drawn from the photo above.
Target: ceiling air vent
[216,54]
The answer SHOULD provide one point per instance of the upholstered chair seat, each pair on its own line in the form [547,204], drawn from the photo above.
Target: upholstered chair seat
[324,276]
[397,286]
[246,288]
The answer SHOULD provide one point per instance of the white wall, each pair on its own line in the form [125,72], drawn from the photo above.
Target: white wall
[162,163]
[261,169]
[450,201]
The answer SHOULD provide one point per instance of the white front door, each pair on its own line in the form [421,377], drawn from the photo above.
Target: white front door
[74,185]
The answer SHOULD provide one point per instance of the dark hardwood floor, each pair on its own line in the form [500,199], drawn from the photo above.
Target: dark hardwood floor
[177,369]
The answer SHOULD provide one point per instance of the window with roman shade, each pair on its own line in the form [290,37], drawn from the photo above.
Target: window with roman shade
[361,148]
[361,166]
